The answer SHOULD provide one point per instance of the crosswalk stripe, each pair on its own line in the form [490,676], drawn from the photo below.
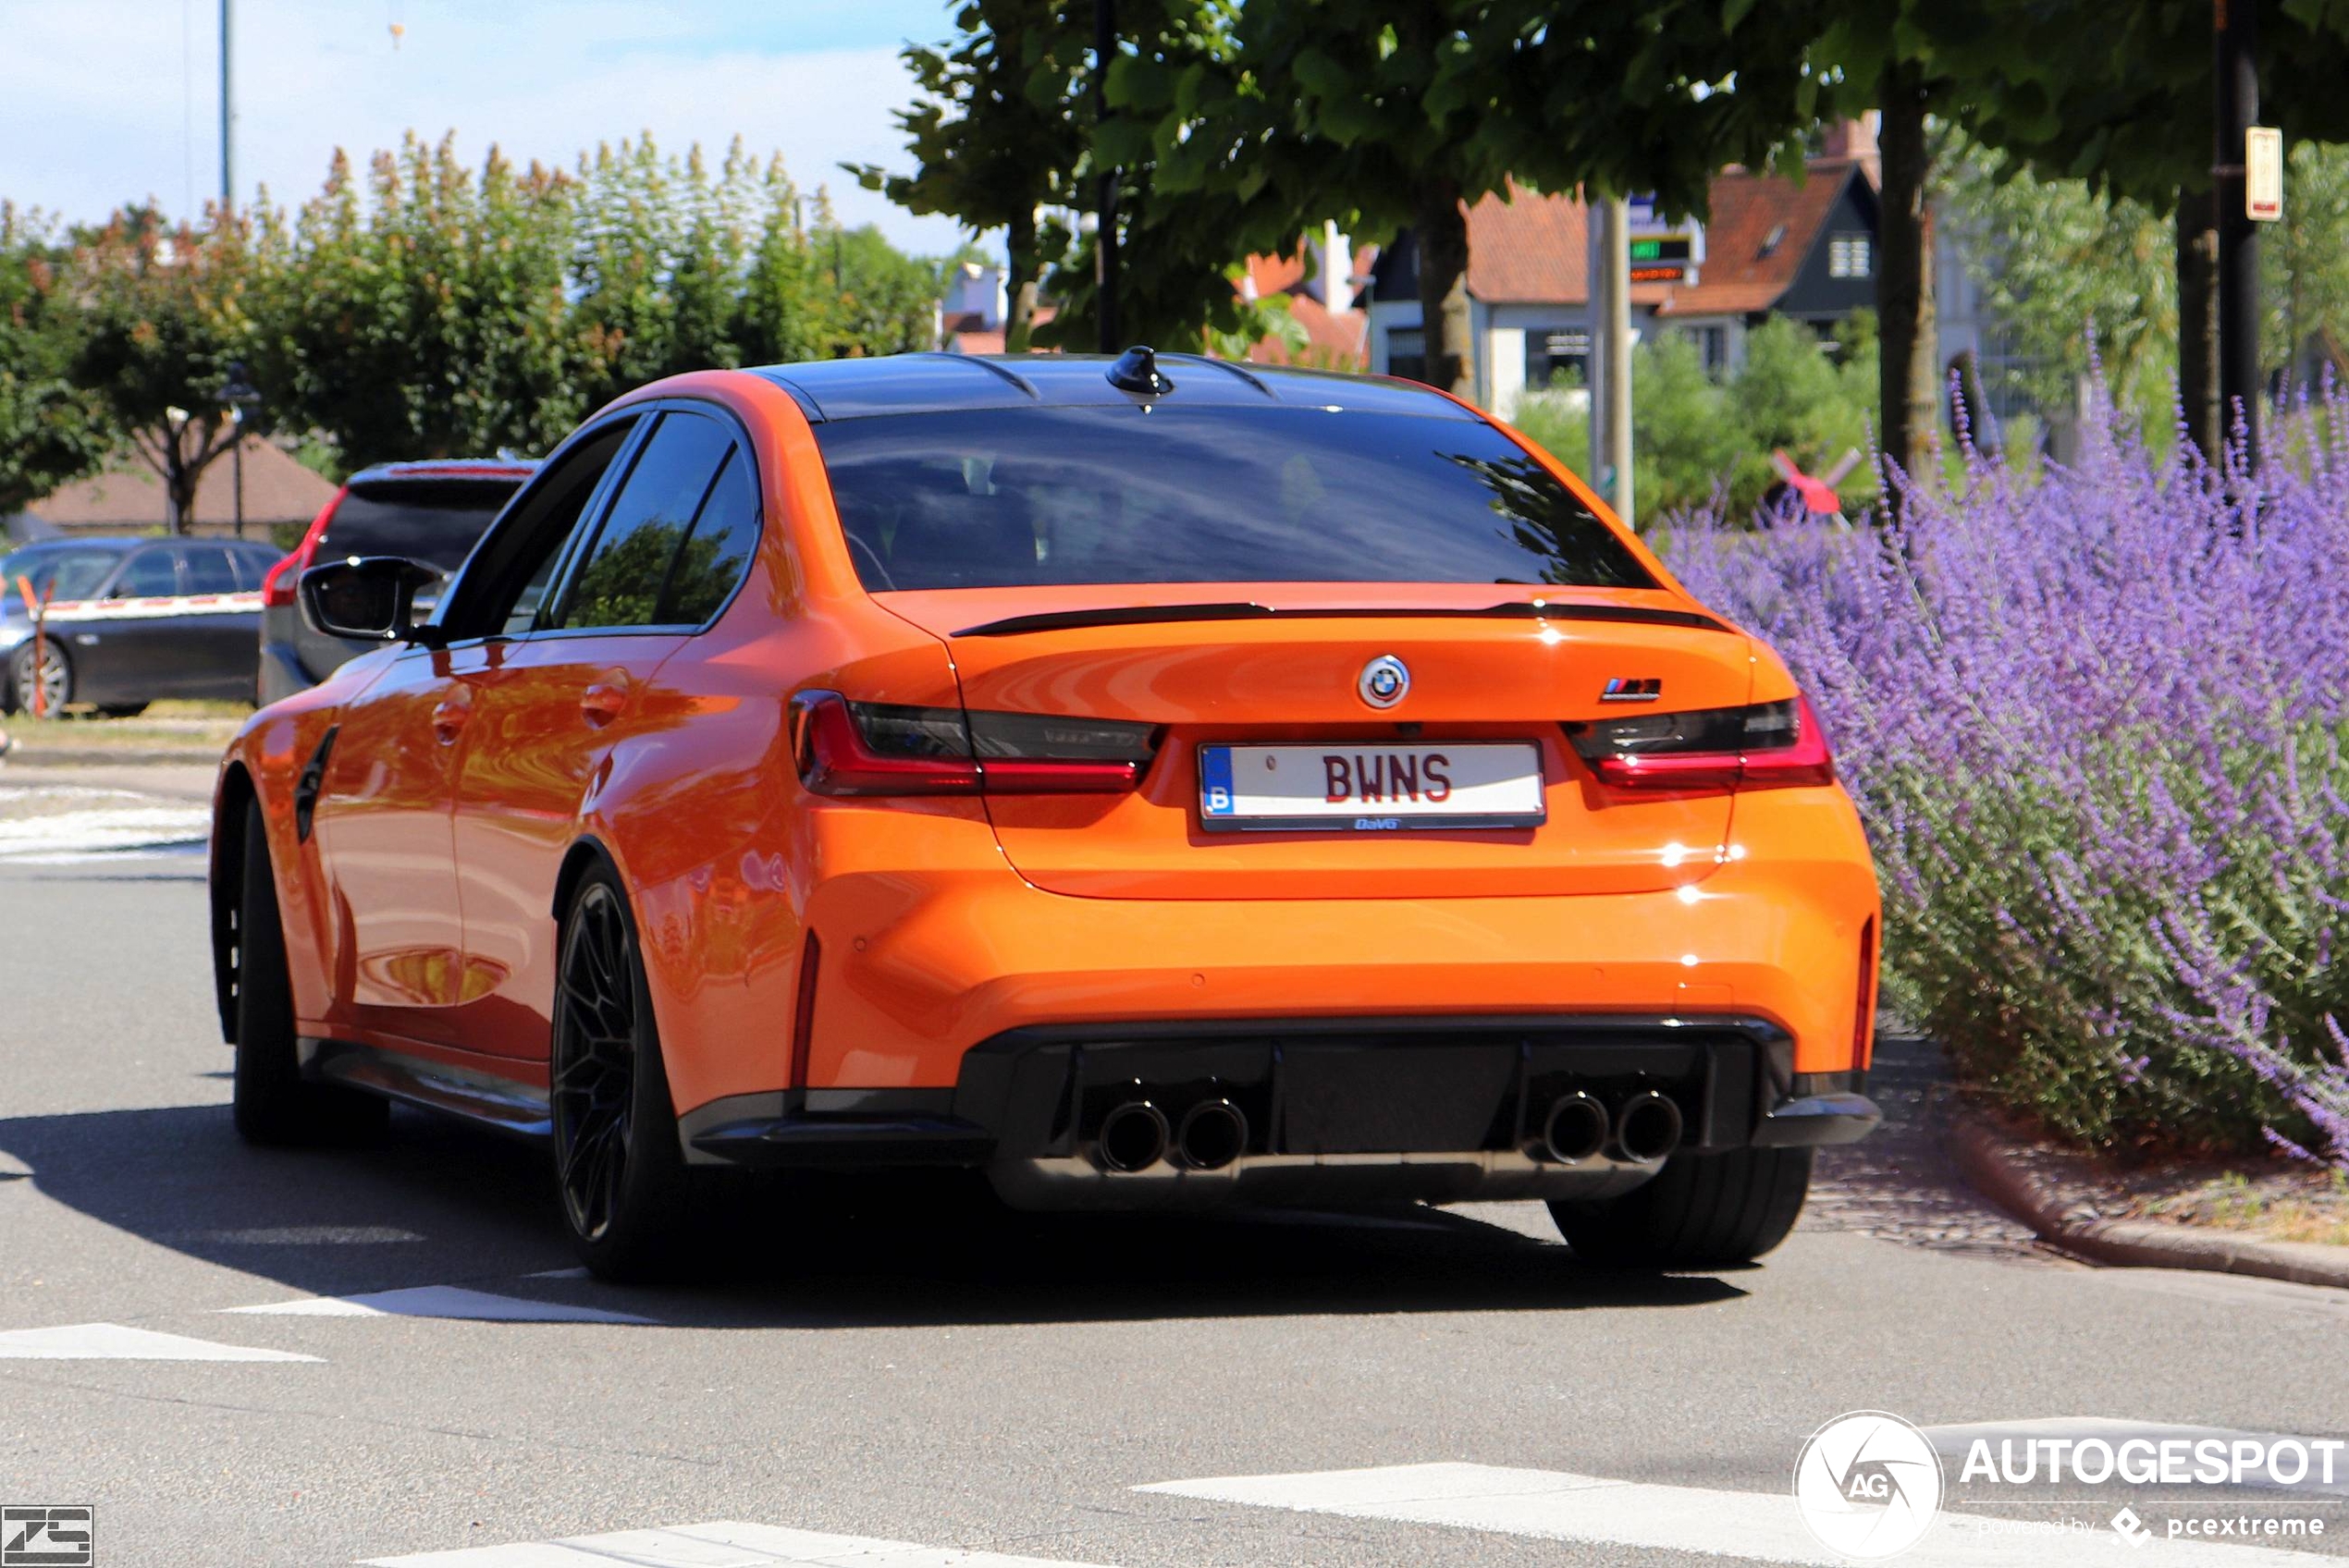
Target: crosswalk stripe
[720,1544]
[112,1341]
[440,1300]
[1762,1527]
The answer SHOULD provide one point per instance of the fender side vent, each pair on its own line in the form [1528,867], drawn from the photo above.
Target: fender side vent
[312,780]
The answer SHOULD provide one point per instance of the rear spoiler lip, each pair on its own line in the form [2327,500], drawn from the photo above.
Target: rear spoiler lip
[1524,610]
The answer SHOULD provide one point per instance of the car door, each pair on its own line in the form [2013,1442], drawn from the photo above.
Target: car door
[552,705]
[388,789]
[219,626]
[121,645]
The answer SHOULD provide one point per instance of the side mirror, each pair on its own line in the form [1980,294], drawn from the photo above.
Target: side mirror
[370,598]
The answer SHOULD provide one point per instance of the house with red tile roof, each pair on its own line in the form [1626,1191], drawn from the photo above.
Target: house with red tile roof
[1774,246]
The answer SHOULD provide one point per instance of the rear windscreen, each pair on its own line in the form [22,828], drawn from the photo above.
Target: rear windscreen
[1003,497]
[435,521]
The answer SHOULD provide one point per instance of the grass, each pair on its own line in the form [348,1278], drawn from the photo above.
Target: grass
[2299,1211]
[173,724]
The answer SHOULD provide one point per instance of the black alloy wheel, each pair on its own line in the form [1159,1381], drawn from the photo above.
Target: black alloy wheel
[618,1162]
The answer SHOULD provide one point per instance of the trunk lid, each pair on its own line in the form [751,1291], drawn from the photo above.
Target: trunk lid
[1242,678]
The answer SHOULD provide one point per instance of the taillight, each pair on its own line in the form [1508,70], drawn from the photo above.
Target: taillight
[847,748]
[280,583]
[1769,745]
[1863,1006]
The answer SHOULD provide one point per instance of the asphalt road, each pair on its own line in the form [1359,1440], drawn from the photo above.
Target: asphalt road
[920,1369]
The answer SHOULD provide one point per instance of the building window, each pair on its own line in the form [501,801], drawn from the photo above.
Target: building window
[1713,342]
[1556,356]
[1848,256]
[1407,354]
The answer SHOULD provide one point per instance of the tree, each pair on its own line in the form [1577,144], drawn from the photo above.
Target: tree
[1402,113]
[425,311]
[166,319]
[51,432]
[996,134]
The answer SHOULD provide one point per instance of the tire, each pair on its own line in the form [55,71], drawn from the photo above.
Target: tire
[1701,1212]
[619,1166]
[273,1105]
[121,710]
[56,665]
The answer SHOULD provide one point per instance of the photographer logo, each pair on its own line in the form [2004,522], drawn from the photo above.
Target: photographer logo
[1867,1485]
[46,1535]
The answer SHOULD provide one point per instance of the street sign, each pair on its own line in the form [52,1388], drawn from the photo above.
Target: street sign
[2263,173]
[1663,252]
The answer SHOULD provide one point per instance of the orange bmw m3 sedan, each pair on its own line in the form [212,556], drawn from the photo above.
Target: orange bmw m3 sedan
[1151,782]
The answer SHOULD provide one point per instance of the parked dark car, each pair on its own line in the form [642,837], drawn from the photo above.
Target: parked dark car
[133,619]
[432,513]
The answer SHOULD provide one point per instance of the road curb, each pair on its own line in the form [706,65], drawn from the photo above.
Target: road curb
[1981,1154]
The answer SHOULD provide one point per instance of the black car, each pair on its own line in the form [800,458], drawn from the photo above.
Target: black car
[133,619]
[431,511]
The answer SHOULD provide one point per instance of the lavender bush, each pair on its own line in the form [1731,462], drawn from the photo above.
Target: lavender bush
[2095,720]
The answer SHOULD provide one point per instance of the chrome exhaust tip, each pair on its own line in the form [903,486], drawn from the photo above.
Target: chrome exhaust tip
[1647,1127]
[1214,1134]
[1133,1137]
[1575,1130]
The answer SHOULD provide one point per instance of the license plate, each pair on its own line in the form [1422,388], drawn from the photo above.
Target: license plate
[1355,787]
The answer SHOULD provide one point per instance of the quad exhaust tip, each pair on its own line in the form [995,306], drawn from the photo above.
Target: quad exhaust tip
[1647,1127]
[1133,1137]
[1214,1134]
[1575,1130]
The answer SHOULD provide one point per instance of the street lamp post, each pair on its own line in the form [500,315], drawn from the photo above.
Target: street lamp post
[2236,62]
[238,395]
[1105,184]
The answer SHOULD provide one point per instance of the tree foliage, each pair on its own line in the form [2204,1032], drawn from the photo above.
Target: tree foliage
[52,430]
[167,313]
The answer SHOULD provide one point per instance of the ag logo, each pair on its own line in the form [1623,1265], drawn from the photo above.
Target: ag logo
[1868,1485]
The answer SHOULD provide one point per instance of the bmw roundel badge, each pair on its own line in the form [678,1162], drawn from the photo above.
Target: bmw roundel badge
[1383,681]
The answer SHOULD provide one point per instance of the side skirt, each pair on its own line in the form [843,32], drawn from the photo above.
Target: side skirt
[498,1104]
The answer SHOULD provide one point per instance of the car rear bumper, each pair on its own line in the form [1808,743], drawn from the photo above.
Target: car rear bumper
[1442,1108]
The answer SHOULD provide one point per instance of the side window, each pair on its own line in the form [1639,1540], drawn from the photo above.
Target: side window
[619,581]
[151,575]
[253,564]
[503,586]
[717,551]
[209,569]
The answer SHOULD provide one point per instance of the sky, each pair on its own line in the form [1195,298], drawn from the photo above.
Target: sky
[104,102]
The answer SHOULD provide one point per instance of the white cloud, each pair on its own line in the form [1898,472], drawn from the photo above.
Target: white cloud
[107,101]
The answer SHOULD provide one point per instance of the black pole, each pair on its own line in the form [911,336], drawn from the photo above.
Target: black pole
[2236,62]
[1105,195]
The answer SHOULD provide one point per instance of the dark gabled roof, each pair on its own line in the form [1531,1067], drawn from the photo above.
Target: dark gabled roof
[900,383]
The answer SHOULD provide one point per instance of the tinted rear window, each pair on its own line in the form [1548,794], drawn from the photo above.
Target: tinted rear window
[437,520]
[1003,497]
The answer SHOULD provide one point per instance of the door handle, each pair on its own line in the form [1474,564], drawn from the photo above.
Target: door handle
[448,719]
[602,703]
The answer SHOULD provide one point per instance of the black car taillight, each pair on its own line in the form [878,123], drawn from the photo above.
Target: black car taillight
[846,748]
[278,584]
[1768,746]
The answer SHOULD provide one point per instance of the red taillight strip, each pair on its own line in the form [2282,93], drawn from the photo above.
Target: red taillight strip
[278,584]
[1807,762]
[835,759]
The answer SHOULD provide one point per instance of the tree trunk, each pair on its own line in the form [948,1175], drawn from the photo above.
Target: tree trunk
[2197,264]
[1441,233]
[1019,284]
[1908,376]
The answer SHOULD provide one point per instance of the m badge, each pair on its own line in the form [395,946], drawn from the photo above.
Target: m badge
[1623,689]
[47,1536]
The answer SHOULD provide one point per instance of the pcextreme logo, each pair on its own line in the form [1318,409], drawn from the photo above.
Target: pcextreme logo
[1868,1485]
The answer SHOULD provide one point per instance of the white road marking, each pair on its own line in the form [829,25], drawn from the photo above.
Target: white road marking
[120,827]
[724,1544]
[1762,1527]
[112,1341]
[440,1300]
